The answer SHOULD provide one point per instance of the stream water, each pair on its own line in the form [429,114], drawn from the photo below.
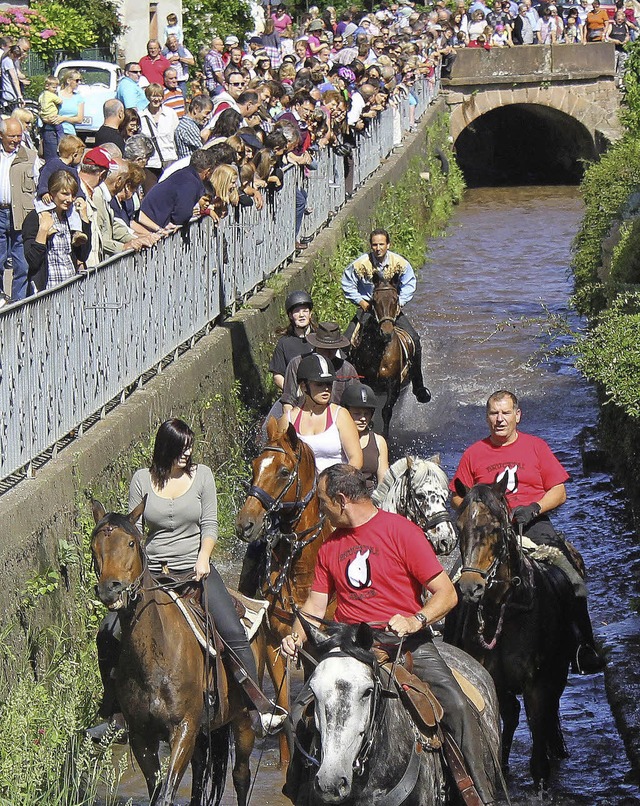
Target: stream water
[506,252]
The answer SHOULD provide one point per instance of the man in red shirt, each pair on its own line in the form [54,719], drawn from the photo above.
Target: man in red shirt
[154,63]
[536,486]
[377,564]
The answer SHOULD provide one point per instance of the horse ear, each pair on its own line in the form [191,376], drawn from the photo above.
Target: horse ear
[135,514]
[316,637]
[376,278]
[292,436]
[364,636]
[410,460]
[461,489]
[500,487]
[98,510]
[272,429]
[436,459]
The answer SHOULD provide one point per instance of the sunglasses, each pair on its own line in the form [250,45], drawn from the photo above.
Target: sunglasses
[135,71]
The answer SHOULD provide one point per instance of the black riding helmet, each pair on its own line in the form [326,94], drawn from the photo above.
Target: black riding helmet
[298,298]
[316,368]
[358,396]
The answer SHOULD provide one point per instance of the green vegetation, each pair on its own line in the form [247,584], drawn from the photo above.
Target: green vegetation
[204,18]
[413,210]
[606,262]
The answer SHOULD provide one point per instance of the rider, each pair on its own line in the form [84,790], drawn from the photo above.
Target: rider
[536,487]
[360,401]
[358,288]
[298,306]
[399,562]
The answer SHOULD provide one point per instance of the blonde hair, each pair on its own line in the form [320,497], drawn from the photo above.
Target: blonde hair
[69,144]
[225,183]
[24,116]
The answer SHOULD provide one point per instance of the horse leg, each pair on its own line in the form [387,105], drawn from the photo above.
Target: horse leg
[541,717]
[182,742]
[510,715]
[209,766]
[393,392]
[244,738]
[145,752]
[277,673]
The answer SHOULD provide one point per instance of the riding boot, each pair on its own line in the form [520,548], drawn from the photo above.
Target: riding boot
[421,392]
[109,644]
[252,568]
[586,660]
[240,661]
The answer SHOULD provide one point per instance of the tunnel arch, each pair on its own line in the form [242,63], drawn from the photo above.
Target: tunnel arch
[523,143]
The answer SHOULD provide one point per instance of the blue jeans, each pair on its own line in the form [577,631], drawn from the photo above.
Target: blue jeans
[301,204]
[50,138]
[11,246]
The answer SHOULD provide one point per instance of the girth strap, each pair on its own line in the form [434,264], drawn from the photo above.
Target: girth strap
[406,784]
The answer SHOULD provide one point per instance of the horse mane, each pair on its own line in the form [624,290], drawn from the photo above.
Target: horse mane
[486,495]
[423,472]
[116,519]
[354,640]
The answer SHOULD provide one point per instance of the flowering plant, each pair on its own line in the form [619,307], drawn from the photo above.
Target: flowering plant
[49,26]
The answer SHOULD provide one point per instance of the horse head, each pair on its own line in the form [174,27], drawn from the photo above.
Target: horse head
[419,489]
[347,692]
[484,528]
[282,484]
[385,304]
[118,556]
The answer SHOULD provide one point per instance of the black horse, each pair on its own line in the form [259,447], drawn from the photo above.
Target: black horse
[514,619]
[384,353]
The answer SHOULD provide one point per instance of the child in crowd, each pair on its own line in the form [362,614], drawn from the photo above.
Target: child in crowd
[174,28]
[500,37]
[50,102]
[71,150]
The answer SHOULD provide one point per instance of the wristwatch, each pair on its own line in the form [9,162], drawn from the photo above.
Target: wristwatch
[421,618]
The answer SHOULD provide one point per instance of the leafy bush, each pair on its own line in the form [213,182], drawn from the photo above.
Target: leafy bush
[73,29]
[204,18]
[105,20]
[606,188]
[630,115]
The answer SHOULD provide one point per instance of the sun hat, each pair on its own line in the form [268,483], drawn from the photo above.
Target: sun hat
[316,25]
[328,336]
[232,40]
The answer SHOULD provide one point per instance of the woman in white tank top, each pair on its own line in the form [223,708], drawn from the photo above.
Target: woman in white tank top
[327,429]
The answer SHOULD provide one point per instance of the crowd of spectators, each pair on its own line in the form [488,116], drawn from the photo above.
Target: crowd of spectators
[179,141]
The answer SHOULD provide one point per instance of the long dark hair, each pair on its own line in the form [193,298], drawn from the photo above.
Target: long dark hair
[173,438]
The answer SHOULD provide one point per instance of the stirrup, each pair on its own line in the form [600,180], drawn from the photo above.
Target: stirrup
[591,662]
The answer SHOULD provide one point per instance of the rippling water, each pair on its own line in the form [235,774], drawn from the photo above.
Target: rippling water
[506,252]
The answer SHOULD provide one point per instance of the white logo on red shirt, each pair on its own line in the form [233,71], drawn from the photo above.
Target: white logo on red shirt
[359,571]
[512,474]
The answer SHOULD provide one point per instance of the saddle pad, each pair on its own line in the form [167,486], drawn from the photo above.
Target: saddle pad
[470,691]
[192,621]
[252,612]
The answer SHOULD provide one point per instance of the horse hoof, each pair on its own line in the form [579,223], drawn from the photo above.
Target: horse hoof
[422,395]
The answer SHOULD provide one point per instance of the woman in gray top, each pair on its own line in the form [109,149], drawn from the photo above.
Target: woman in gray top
[181,518]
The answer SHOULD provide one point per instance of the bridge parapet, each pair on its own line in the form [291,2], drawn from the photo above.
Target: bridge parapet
[530,64]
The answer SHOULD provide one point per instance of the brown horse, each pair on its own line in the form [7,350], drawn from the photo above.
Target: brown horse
[384,353]
[162,677]
[282,510]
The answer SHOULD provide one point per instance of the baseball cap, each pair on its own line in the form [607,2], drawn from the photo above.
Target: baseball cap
[232,40]
[98,156]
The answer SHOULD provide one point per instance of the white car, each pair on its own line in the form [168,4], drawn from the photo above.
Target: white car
[99,84]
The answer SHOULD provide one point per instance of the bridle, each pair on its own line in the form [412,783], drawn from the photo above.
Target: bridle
[381,319]
[409,503]
[275,510]
[489,575]
[132,593]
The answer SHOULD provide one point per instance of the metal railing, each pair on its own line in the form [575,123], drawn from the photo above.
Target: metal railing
[70,353]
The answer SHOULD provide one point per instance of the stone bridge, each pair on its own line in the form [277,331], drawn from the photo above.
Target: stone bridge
[534,112]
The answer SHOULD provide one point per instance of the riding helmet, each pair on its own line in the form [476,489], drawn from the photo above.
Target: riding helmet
[298,298]
[358,396]
[316,368]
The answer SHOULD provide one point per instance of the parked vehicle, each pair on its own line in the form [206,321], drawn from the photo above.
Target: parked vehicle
[99,84]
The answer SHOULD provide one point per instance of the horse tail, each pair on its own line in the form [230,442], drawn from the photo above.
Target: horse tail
[216,762]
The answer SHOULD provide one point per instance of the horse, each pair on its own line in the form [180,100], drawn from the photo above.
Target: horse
[163,679]
[419,489]
[521,634]
[370,750]
[380,356]
[282,510]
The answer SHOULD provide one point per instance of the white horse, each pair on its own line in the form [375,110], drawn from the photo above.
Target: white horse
[369,749]
[418,489]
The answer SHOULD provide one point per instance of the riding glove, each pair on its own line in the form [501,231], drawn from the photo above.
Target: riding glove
[524,515]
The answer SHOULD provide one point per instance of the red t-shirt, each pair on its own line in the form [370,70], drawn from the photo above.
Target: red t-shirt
[529,461]
[376,570]
[153,71]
